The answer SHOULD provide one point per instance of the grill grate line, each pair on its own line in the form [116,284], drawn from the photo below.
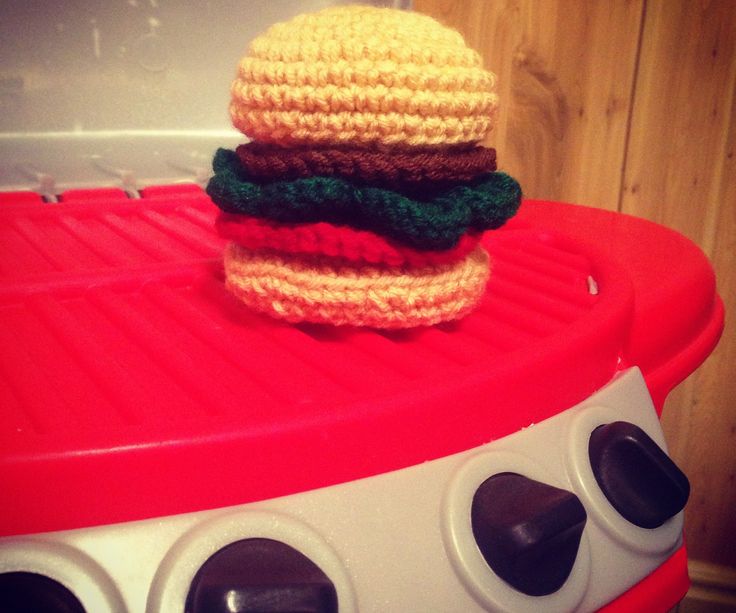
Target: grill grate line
[204,330]
[142,240]
[190,235]
[175,364]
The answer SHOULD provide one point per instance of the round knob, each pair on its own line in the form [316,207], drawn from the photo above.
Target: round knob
[260,576]
[528,532]
[637,477]
[23,592]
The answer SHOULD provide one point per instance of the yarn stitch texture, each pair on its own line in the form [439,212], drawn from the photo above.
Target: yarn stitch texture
[357,246]
[361,75]
[395,170]
[316,290]
[431,225]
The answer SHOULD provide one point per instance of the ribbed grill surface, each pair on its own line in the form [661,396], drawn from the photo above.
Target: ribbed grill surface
[116,324]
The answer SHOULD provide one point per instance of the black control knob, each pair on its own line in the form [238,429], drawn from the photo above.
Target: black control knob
[22,592]
[641,482]
[263,576]
[528,532]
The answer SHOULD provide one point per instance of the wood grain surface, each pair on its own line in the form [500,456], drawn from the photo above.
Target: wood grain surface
[680,172]
[630,106]
[566,72]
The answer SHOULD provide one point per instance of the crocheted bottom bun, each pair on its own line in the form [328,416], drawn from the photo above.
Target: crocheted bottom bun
[319,290]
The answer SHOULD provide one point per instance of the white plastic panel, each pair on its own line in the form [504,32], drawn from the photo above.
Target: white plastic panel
[98,92]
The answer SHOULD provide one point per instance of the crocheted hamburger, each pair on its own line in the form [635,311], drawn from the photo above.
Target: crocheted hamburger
[362,195]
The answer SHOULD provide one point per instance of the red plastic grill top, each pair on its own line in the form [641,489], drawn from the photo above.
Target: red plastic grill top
[133,385]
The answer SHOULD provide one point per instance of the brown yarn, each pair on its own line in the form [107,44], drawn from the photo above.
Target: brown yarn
[390,170]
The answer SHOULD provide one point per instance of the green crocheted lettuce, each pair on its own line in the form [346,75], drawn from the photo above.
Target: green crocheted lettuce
[436,223]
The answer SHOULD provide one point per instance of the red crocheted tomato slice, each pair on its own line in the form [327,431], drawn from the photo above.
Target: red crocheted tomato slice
[323,238]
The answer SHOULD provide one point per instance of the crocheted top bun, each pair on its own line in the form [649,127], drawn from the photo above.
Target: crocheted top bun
[359,75]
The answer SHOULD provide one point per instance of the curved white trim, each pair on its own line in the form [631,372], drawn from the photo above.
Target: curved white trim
[489,589]
[639,540]
[70,567]
[172,581]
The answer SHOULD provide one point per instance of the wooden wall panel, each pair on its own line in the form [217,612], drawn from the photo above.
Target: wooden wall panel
[631,106]
[681,114]
[680,172]
[566,70]
[713,589]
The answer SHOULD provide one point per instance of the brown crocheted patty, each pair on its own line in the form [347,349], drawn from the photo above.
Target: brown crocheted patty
[397,170]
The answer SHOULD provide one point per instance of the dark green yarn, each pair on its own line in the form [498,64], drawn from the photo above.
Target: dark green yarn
[433,224]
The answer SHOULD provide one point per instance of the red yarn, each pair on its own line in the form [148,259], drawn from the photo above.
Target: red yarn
[335,241]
